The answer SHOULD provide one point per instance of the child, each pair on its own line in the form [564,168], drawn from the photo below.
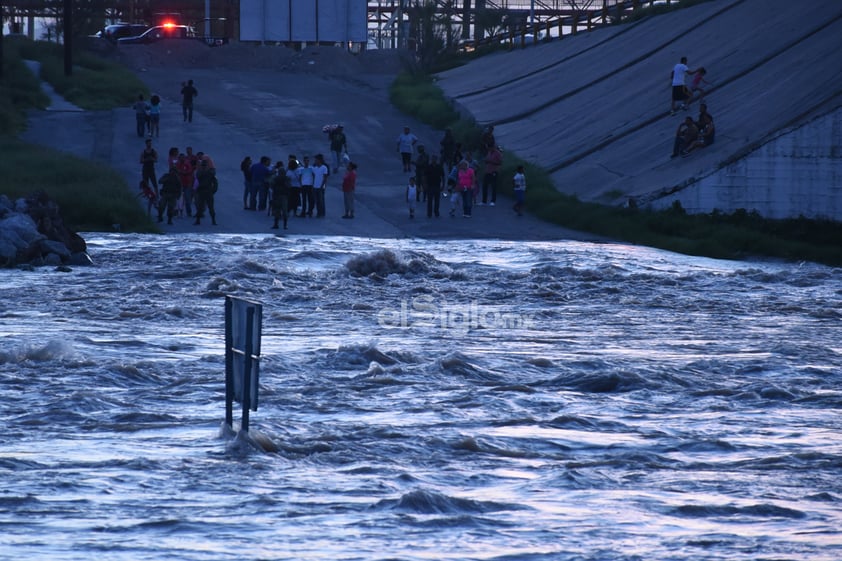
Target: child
[411,193]
[695,85]
[519,185]
[455,197]
[149,194]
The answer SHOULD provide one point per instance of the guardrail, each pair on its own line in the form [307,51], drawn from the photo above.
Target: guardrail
[571,20]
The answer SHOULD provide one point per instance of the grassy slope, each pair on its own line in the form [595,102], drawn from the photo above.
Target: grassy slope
[91,196]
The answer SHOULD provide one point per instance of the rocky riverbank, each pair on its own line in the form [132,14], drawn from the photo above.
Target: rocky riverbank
[33,234]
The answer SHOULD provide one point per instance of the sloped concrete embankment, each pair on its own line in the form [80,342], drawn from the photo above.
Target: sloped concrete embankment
[593,109]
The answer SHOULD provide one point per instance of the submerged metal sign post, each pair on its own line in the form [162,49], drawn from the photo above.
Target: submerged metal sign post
[243,321]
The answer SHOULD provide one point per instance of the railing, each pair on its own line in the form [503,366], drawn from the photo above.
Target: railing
[526,21]
[573,18]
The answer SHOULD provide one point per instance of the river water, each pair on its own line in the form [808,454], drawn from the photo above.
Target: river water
[464,400]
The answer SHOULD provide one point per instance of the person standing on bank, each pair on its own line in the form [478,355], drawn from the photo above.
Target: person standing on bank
[338,146]
[349,185]
[245,167]
[294,203]
[406,144]
[519,187]
[280,195]
[434,183]
[148,159]
[308,197]
[170,191]
[679,88]
[188,92]
[320,174]
[141,108]
[421,164]
[259,176]
[205,189]
[155,116]
[493,161]
[465,183]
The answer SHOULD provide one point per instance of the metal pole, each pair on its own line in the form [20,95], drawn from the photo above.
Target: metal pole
[229,363]
[207,18]
[1,38]
[247,370]
[68,37]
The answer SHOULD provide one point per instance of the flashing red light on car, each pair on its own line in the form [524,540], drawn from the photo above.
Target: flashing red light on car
[169,24]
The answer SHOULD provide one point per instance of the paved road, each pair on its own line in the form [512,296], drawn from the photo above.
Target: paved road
[256,113]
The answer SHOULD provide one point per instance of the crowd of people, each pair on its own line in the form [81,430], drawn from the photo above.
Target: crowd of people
[297,188]
[187,188]
[454,175]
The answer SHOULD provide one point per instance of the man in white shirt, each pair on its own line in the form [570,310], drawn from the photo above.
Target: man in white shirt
[320,174]
[406,144]
[679,88]
[307,177]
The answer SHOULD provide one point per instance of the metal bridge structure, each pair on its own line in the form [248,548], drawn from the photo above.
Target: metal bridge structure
[390,23]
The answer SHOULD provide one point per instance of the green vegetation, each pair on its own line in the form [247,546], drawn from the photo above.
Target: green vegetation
[92,197]
[95,83]
[731,236]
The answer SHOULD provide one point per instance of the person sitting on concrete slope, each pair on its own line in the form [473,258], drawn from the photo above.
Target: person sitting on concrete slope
[686,135]
[707,132]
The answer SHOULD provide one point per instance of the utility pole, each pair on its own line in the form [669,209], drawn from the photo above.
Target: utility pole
[2,9]
[68,35]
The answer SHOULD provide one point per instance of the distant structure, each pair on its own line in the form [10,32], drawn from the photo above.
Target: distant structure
[303,21]
[380,24]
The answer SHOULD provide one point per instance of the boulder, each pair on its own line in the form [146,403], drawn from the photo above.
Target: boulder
[32,232]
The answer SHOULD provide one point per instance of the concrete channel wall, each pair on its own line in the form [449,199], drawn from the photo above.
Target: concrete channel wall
[798,173]
[594,109]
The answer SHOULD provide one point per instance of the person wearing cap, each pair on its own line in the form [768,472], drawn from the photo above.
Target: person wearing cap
[206,187]
[148,159]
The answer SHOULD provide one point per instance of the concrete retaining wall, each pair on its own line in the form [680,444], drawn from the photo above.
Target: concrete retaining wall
[798,173]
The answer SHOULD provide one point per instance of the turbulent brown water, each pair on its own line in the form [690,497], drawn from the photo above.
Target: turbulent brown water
[465,400]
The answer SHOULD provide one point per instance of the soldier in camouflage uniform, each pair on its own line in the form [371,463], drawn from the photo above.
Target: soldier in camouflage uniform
[207,186]
[170,191]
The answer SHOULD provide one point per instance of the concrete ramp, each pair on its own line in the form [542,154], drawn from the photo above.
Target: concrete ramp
[594,109]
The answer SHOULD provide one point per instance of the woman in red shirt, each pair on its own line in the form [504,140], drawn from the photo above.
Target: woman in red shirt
[349,185]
